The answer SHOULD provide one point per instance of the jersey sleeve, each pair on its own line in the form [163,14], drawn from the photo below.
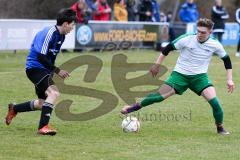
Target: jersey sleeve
[220,51]
[43,40]
[180,42]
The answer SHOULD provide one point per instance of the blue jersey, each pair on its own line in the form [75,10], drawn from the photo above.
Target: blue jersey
[48,42]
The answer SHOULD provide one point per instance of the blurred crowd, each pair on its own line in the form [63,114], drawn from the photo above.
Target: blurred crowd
[122,10]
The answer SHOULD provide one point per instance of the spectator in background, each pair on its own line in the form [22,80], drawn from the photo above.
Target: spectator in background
[169,16]
[188,12]
[163,17]
[145,10]
[131,9]
[120,12]
[91,6]
[155,11]
[238,20]
[83,13]
[103,11]
[219,15]
[172,35]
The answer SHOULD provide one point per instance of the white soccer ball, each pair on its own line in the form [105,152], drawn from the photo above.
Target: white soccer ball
[130,124]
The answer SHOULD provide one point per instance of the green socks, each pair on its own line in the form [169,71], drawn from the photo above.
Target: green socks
[217,110]
[216,106]
[151,98]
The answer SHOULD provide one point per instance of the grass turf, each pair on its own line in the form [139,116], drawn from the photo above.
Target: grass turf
[181,127]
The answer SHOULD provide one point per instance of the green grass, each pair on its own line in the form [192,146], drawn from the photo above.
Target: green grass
[190,138]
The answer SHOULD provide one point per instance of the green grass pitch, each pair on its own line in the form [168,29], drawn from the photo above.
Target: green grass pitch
[190,136]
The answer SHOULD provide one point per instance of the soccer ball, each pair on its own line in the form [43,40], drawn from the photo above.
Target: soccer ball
[130,124]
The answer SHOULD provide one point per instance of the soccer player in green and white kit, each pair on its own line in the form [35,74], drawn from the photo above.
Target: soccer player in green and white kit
[190,71]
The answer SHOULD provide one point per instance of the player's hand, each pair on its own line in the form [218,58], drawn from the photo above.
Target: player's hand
[63,74]
[154,69]
[230,85]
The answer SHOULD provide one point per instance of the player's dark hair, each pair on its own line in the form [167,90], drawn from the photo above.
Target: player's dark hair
[204,22]
[66,15]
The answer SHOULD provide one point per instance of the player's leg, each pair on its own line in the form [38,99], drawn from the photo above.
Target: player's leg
[210,95]
[176,83]
[14,109]
[165,91]
[201,85]
[47,94]
[33,105]
[36,76]
[47,107]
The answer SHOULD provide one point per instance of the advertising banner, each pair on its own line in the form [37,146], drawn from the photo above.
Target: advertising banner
[112,35]
[16,34]
[230,36]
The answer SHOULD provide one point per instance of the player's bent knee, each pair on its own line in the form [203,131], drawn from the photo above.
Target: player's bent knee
[54,94]
[57,94]
[209,93]
[166,91]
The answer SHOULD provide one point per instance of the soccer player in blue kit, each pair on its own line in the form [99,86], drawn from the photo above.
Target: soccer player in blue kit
[40,69]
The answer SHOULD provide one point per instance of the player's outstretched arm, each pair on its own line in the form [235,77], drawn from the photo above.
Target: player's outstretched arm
[155,68]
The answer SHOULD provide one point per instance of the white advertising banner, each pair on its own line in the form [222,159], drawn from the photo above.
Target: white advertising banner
[17,34]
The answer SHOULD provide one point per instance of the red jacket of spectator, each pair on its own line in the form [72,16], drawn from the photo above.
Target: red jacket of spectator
[103,12]
[79,12]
